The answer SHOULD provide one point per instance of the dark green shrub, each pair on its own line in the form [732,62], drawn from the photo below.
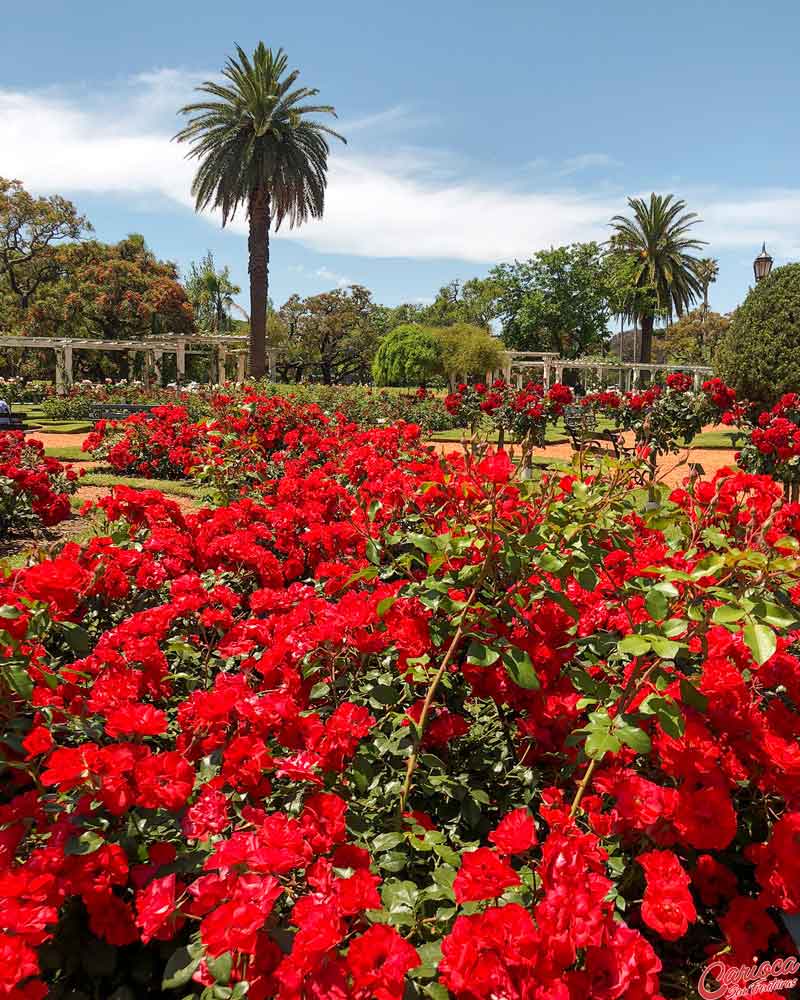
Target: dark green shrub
[759,356]
[408,355]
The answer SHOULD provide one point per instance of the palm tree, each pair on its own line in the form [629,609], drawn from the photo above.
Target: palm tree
[211,293]
[707,274]
[656,239]
[260,147]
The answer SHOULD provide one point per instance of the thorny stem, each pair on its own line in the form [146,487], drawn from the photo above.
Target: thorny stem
[411,766]
[630,691]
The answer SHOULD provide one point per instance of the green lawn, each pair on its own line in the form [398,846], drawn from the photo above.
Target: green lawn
[68,453]
[104,477]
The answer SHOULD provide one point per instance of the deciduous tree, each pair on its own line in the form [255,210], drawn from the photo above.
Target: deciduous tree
[556,301]
[31,230]
[330,337]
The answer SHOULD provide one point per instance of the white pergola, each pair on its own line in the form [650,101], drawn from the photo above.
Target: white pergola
[521,365]
[153,349]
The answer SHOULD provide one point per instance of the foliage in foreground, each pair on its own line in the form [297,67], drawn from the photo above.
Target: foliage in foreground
[34,489]
[394,726]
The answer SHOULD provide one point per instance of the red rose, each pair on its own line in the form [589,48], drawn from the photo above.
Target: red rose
[483,875]
[379,960]
[515,833]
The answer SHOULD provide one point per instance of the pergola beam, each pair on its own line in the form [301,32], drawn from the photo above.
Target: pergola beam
[153,349]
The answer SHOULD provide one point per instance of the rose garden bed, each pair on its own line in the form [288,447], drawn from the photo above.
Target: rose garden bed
[381,724]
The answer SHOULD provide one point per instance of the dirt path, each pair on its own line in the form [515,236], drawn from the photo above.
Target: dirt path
[51,439]
[672,469]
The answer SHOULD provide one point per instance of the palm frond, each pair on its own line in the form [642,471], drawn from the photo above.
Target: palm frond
[254,131]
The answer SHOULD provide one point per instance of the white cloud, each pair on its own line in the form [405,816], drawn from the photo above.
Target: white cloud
[588,161]
[399,115]
[415,204]
[339,280]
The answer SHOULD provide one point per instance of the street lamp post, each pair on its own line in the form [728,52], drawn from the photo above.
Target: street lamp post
[762,265]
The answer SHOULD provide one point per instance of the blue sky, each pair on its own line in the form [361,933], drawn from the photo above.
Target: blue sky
[477,132]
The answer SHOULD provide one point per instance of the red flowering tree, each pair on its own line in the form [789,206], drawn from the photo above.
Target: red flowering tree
[385,725]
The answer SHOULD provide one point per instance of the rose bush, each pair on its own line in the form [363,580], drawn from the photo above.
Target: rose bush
[523,412]
[168,444]
[391,725]
[34,489]
[665,418]
[773,443]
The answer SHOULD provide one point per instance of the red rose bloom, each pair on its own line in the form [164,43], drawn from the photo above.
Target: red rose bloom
[515,833]
[667,906]
[483,875]
[379,960]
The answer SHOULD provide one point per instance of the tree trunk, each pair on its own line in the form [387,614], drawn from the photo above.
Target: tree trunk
[646,348]
[258,245]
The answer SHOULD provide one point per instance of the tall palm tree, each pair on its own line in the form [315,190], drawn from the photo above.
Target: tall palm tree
[260,147]
[211,293]
[657,240]
[707,274]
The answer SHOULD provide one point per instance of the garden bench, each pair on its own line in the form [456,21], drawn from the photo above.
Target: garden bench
[580,423]
[117,411]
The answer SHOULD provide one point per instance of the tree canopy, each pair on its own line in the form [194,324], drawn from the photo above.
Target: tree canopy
[31,231]
[111,291]
[693,339]
[211,293]
[329,337]
[558,300]
[408,355]
[759,355]
[655,243]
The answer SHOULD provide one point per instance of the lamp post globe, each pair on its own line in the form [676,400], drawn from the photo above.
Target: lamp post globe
[762,265]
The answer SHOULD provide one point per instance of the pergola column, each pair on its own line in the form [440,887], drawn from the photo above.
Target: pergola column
[60,369]
[180,362]
[131,365]
[241,367]
[148,369]
[158,369]
[560,373]
[67,365]
[698,381]
[222,355]
[546,374]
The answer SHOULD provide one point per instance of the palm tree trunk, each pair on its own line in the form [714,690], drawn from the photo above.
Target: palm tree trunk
[646,349]
[258,245]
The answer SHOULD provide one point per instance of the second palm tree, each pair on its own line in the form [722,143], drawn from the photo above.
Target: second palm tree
[657,241]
